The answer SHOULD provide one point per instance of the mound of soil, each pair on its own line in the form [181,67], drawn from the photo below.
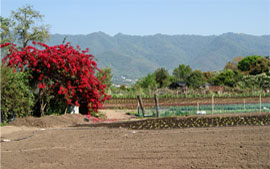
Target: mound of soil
[66,120]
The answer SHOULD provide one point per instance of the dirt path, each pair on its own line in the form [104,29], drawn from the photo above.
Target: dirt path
[223,147]
[117,114]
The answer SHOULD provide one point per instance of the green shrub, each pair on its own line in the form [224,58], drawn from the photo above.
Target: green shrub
[17,99]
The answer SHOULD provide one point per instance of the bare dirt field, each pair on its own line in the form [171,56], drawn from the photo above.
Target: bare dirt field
[86,147]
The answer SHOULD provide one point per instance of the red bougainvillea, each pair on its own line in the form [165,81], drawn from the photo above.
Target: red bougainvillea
[61,70]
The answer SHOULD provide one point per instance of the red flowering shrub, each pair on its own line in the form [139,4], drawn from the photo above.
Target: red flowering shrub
[61,70]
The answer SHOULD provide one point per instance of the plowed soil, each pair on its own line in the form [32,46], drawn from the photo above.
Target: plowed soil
[132,103]
[102,148]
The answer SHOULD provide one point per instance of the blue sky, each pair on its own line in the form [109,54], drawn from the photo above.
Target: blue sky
[148,17]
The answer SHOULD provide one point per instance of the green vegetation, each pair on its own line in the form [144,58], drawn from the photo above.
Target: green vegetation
[236,82]
[17,99]
[192,122]
[218,109]
[108,73]
[227,77]
[25,27]
[195,79]
[243,76]
[182,72]
[162,77]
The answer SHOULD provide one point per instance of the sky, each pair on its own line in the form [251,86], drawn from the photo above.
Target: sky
[148,17]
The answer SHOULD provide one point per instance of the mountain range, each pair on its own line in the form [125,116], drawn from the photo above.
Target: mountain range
[132,57]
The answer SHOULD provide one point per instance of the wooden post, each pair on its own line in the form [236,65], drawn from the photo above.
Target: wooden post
[138,109]
[198,106]
[213,104]
[141,104]
[156,104]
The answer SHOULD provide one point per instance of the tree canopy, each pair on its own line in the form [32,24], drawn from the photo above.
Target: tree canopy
[246,63]
[182,72]
[60,70]
[25,27]
[196,79]
[162,77]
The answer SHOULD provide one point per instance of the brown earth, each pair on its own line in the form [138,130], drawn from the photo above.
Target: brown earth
[50,121]
[48,142]
[68,120]
[223,147]
[132,103]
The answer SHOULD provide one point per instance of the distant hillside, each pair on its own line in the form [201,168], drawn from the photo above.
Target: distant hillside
[135,56]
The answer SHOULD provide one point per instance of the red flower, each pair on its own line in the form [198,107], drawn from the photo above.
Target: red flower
[64,67]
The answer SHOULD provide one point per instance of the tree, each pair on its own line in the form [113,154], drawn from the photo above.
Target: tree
[182,72]
[16,96]
[60,71]
[227,77]
[5,33]
[261,65]
[25,29]
[108,76]
[246,63]
[196,79]
[162,77]
[148,82]
[255,82]
[233,65]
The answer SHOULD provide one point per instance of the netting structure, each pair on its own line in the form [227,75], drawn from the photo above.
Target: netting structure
[206,109]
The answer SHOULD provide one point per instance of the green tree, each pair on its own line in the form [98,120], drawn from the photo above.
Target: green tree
[227,77]
[25,28]
[16,96]
[148,82]
[108,80]
[162,77]
[5,34]
[246,63]
[261,65]
[182,72]
[196,79]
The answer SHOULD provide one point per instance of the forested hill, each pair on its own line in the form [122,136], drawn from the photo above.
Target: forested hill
[135,56]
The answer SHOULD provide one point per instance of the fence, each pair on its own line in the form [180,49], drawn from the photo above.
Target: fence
[166,111]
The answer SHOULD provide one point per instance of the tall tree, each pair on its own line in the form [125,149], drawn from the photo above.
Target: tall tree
[5,33]
[246,63]
[25,29]
[228,77]
[162,77]
[196,79]
[261,65]
[182,72]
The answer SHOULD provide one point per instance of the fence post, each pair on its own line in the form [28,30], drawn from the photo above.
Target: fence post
[213,104]
[141,104]
[138,109]
[198,106]
[156,103]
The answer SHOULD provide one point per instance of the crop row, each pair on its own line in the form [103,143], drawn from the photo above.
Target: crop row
[192,121]
[192,95]
[132,103]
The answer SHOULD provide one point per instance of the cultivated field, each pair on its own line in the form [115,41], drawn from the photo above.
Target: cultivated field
[101,147]
[132,103]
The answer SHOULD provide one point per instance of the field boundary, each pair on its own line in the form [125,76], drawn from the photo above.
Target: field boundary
[197,121]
